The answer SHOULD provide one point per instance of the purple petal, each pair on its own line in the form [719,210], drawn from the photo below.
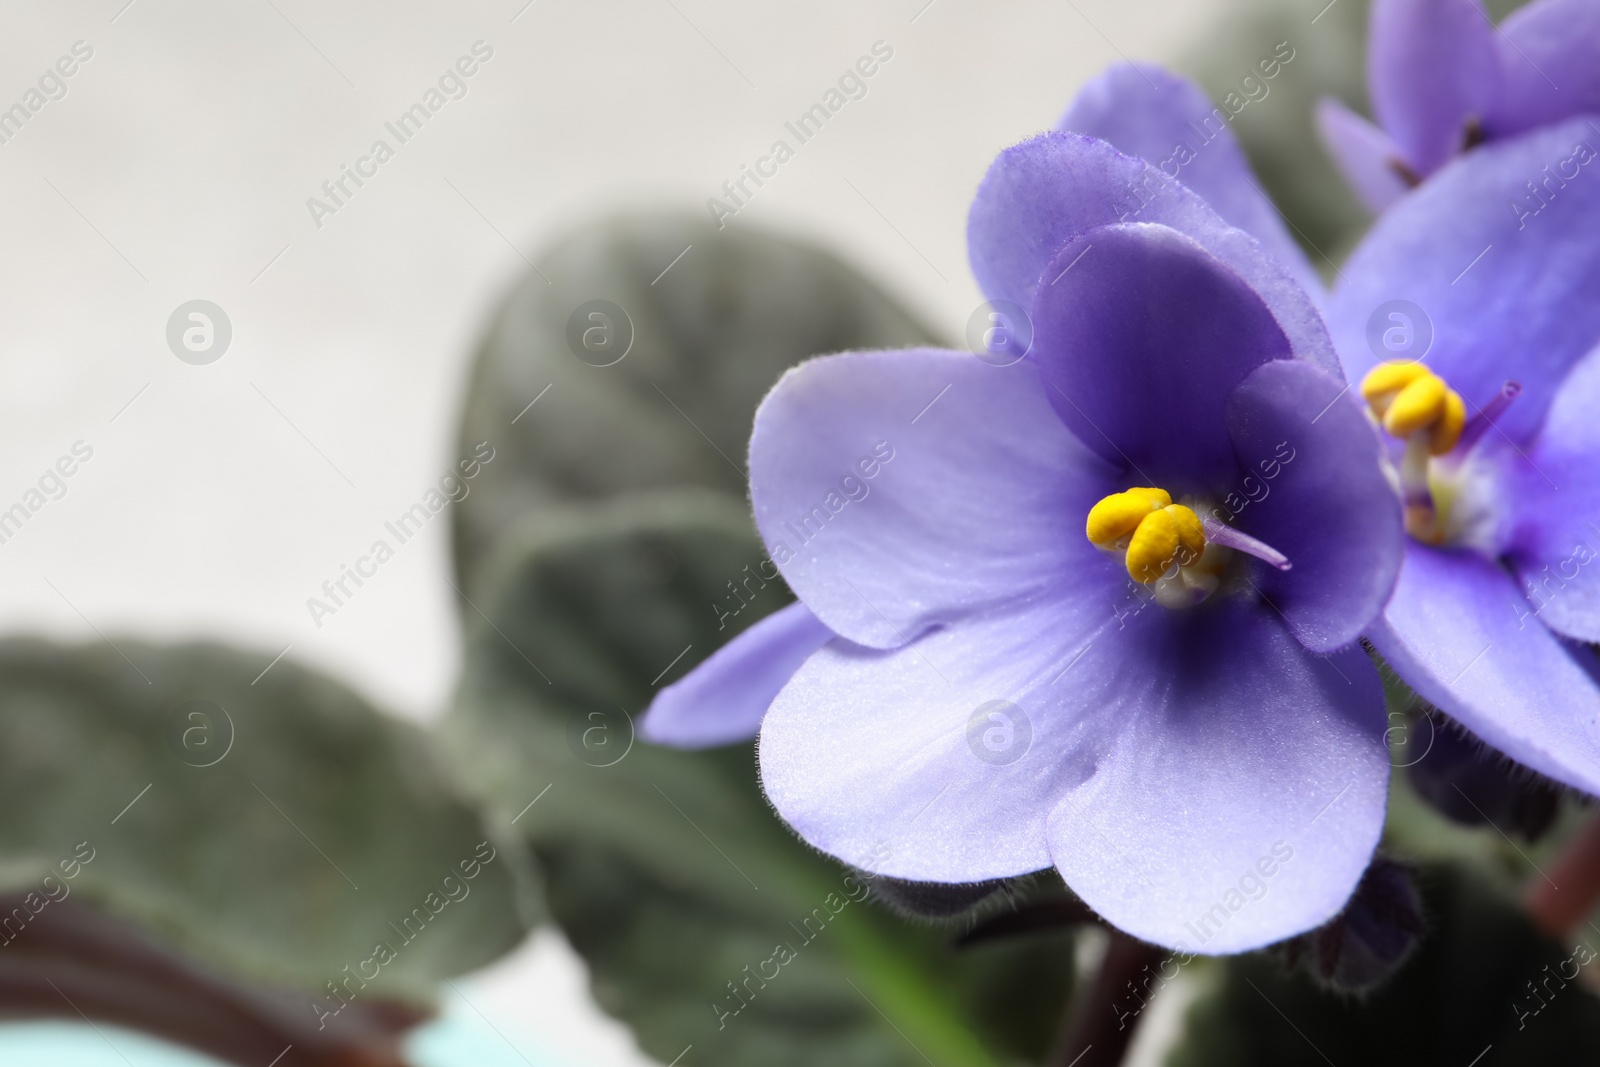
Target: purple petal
[1327,504]
[1166,120]
[1510,293]
[1432,64]
[1365,154]
[1554,501]
[1193,741]
[1550,55]
[901,490]
[1241,806]
[893,761]
[723,699]
[1316,492]
[1141,346]
[1040,194]
[1461,633]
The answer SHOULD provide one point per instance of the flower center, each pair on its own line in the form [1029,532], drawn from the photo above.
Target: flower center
[1415,405]
[1168,547]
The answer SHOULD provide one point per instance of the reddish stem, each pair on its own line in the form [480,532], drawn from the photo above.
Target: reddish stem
[1100,1025]
[1565,896]
[73,963]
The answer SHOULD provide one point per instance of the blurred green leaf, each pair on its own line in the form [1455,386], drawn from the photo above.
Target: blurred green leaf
[1466,997]
[235,813]
[1278,131]
[709,337]
[667,869]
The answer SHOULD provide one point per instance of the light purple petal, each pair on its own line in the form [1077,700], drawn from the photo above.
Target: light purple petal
[723,699]
[892,762]
[1315,490]
[1460,633]
[1040,194]
[1510,295]
[976,496]
[1553,500]
[1550,55]
[1365,154]
[1241,806]
[1191,741]
[1141,345]
[1168,121]
[1431,65]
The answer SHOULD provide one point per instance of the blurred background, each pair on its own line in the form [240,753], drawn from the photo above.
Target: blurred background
[178,163]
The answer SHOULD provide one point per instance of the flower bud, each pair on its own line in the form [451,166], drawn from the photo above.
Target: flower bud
[1370,939]
[1471,784]
[931,900]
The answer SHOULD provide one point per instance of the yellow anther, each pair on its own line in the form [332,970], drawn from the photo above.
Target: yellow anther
[1386,379]
[1119,515]
[1155,531]
[1416,407]
[1170,535]
[1408,398]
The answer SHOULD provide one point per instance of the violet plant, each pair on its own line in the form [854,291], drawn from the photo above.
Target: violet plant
[1445,79]
[1055,549]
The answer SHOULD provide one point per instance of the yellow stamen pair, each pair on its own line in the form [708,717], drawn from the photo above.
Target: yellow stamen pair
[1408,398]
[1158,533]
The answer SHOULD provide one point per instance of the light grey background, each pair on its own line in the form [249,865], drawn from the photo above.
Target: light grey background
[178,167]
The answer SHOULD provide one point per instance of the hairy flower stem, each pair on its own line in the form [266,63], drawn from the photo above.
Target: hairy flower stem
[1560,903]
[1098,1027]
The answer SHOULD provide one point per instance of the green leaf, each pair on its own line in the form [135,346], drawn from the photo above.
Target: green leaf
[667,869]
[272,823]
[709,337]
[1278,131]
[1464,994]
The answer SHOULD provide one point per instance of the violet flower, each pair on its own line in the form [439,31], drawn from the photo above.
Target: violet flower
[1499,445]
[1143,111]
[1172,714]
[1444,78]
